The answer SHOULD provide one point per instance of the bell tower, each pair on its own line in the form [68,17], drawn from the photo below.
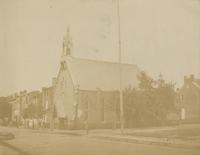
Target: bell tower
[67,48]
[67,44]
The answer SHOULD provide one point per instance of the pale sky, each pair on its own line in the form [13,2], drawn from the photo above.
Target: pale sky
[160,36]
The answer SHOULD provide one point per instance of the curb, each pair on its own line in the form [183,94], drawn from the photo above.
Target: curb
[68,133]
[60,133]
[136,140]
[142,141]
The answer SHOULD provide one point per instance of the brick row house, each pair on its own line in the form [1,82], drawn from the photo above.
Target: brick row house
[48,106]
[15,103]
[31,107]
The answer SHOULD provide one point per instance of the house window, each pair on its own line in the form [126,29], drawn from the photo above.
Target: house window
[182,97]
[65,83]
[87,111]
[183,114]
[102,110]
[63,65]
[47,105]
[35,100]
[62,83]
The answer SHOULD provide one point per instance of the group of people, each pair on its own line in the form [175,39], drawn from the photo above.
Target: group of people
[30,123]
[35,123]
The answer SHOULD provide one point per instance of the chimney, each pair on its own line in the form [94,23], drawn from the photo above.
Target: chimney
[185,79]
[192,77]
[16,95]
[43,88]
[23,92]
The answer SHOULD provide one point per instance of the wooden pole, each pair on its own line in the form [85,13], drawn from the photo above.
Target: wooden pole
[120,70]
[87,121]
[52,108]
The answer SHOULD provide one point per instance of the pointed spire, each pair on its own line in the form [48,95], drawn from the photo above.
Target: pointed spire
[67,43]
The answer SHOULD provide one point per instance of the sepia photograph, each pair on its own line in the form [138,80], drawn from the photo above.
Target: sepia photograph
[99,77]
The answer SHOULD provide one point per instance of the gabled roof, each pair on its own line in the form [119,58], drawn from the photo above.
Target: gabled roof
[191,81]
[196,82]
[92,75]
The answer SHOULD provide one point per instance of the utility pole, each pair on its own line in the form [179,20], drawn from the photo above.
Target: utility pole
[51,108]
[52,103]
[120,70]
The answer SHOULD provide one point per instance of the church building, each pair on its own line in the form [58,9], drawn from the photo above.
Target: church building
[87,91]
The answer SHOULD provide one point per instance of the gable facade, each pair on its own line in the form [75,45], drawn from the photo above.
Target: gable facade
[87,91]
[190,99]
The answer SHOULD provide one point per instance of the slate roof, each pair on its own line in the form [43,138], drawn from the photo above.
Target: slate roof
[92,74]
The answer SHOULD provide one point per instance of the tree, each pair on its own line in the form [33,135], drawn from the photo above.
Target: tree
[146,83]
[5,109]
[33,111]
[165,99]
[151,103]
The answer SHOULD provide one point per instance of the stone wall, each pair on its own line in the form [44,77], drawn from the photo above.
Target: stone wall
[98,108]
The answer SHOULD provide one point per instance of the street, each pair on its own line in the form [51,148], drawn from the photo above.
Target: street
[33,142]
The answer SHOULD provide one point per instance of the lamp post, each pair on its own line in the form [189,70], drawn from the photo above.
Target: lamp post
[120,70]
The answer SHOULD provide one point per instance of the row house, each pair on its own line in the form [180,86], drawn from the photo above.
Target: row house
[31,105]
[23,102]
[34,104]
[15,104]
[47,104]
[189,95]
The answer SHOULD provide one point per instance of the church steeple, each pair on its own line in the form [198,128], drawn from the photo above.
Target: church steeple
[67,43]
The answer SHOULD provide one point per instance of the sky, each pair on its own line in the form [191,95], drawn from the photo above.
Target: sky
[160,36]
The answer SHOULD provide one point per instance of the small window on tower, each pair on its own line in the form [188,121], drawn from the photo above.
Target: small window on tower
[182,97]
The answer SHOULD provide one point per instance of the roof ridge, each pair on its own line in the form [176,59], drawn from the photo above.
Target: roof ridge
[99,61]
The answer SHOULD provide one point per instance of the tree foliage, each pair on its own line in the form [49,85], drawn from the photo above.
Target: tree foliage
[33,111]
[5,110]
[150,104]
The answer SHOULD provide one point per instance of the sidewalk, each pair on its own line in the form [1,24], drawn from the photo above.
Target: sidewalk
[149,140]
[156,136]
